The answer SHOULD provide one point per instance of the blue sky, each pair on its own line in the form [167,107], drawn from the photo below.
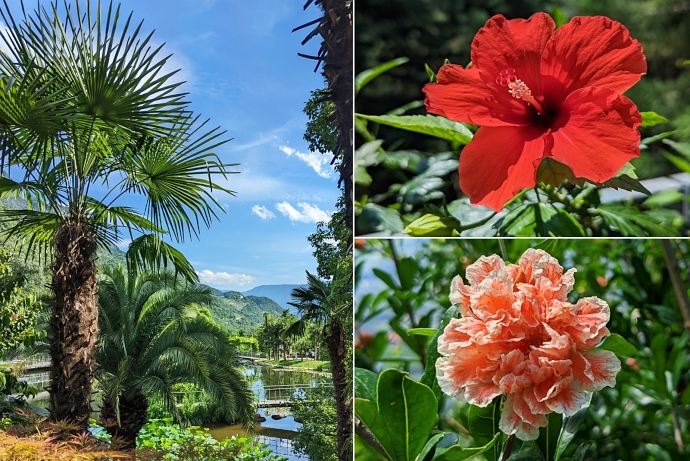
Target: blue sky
[239,60]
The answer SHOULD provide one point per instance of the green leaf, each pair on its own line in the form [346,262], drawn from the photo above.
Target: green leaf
[663,199]
[428,450]
[652,139]
[542,219]
[682,165]
[458,453]
[685,398]
[571,424]
[406,415]
[618,345]
[380,219]
[368,412]
[548,436]
[652,119]
[423,331]
[626,179]
[429,375]
[407,272]
[386,278]
[682,148]
[430,73]
[558,16]
[431,225]
[432,125]
[365,384]
[528,451]
[368,75]
[632,222]
[483,425]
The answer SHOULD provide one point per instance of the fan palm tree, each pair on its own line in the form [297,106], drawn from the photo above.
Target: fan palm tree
[325,303]
[152,335]
[89,116]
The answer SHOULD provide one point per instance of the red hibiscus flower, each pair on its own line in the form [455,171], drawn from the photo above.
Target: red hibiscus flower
[537,93]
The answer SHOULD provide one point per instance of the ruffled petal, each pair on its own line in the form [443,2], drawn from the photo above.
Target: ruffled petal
[595,370]
[512,423]
[568,401]
[595,133]
[501,161]
[482,267]
[460,296]
[514,43]
[461,95]
[591,51]
[592,316]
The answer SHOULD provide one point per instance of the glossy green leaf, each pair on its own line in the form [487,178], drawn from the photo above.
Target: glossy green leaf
[365,384]
[527,451]
[368,75]
[548,436]
[406,415]
[631,222]
[429,376]
[368,412]
[571,424]
[432,125]
[618,345]
[427,452]
[423,331]
[380,219]
[652,119]
[483,425]
[542,219]
[458,453]
[663,199]
[431,225]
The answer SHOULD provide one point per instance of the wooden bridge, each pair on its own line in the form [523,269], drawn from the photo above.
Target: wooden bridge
[283,395]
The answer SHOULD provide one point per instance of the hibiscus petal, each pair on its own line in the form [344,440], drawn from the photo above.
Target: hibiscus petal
[568,401]
[591,51]
[598,372]
[461,95]
[514,43]
[595,133]
[501,161]
[512,423]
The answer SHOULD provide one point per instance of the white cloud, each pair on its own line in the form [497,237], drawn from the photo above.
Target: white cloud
[309,213]
[223,279]
[318,162]
[263,212]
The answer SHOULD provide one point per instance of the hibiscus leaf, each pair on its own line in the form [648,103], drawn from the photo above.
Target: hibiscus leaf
[571,424]
[631,222]
[380,219]
[483,426]
[682,148]
[365,384]
[431,225]
[548,436]
[458,453]
[618,345]
[625,182]
[429,376]
[558,16]
[652,119]
[368,75]
[541,219]
[408,410]
[554,173]
[432,125]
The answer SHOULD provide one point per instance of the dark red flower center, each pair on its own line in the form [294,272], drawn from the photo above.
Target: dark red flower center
[519,90]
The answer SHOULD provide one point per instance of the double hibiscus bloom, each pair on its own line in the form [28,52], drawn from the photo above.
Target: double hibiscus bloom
[539,92]
[520,337]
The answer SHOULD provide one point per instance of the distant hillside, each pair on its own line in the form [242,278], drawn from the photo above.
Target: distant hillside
[267,304]
[235,311]
[278,293]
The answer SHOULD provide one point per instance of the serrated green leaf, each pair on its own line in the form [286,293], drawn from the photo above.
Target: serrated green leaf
[368,75]
[540,219]
[631,222]
[652,119]
[432,125]
[618,345]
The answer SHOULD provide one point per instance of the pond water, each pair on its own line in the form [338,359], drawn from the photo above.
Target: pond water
[277,434]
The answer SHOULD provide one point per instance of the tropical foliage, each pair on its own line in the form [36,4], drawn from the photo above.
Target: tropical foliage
[154,336]
[91,113]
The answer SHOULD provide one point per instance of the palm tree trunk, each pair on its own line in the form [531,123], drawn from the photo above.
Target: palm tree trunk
[335,341]
[73,324]
[133,416]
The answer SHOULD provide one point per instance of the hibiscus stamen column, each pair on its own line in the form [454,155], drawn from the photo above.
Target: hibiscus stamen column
[517,88]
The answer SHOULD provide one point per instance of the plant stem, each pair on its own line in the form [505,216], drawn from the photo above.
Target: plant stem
[504,251]
[678,288]
[509,447]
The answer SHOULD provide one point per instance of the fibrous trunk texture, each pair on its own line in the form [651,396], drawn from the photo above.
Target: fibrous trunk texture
[133,416]
[335,339]
[73,324]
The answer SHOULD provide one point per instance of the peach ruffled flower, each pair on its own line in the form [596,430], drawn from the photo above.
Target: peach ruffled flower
[519,336]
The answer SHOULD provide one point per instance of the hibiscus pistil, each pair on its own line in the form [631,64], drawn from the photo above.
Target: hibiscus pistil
[517,88]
